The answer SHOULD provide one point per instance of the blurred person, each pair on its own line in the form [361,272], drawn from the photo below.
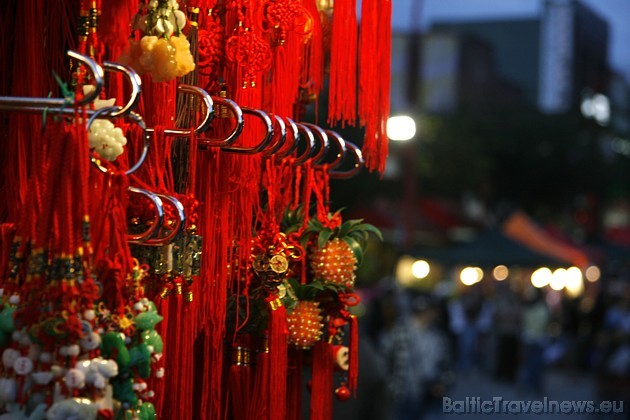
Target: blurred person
[416,358]
[470,317]
[535,321]
[507,326]
[433,352]
[614,360]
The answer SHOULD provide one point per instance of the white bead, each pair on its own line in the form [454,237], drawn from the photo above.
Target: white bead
[23,365]
[57,370]
[159,27]
[8,389]
[91,341]
[75,379]
[169,28]
[180,19]
[9,356]
[99,381]
[42,378]
[139,386]
[89,314]
[84,366]
[74,350]
[108,368]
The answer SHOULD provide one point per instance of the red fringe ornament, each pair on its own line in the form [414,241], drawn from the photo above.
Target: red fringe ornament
[240,382]
[322,381]
[278,338]
[294,385]
[374,80]
[342,102]
[353,368]
[312,78]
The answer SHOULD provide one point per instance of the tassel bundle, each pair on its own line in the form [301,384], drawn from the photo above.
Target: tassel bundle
[231,308]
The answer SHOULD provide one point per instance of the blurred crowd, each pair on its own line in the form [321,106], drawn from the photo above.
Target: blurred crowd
[416,344]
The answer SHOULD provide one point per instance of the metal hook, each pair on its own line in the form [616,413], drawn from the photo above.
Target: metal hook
[266,139]
[282,134]
[323,143]
[309,142]
[24,104]
[158,221]
[236,110]
[295,138]
[136,118]
[179,225]
[204,124]
[358,164]
[136,86]
[341,149]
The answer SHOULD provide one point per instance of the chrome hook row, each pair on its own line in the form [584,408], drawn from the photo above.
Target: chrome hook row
[282,137]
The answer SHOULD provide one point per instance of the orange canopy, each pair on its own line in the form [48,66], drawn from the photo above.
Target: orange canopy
[523,229]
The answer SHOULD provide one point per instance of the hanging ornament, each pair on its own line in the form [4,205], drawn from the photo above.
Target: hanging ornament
[251,54]
[305,324]
[163,50]
[104,137]
[343,392]
[287,15]
[246,48]
[338,249]
[210,40]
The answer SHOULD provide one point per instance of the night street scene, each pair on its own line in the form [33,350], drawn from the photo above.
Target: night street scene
[505,270]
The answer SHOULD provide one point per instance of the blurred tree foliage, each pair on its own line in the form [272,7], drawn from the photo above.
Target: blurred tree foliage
[540,163]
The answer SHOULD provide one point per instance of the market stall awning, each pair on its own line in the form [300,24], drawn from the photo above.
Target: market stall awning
[491,247]
[524,230]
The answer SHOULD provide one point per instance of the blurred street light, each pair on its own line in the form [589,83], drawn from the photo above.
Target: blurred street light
[597,107]
[558,279]
[592,273]
[471,275]
[500,272]
[420,269]
[541,277]
[401,128]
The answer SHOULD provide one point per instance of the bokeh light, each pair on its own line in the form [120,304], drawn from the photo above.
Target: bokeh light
[420,269]
[500,272]
[470,275]
[558,279]
[541,277]
[592,273]
[401,128]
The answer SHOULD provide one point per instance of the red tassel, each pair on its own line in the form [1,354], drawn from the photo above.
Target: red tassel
[313,68]
[374,80]
[278,339]
[7,233]
[294,386]
[240,383]
[269,394]
[322,382]
[286,76]
[342,101]
[259,408]
[353,369]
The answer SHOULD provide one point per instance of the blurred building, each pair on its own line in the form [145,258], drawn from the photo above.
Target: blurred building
[619,93]
[544,62]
